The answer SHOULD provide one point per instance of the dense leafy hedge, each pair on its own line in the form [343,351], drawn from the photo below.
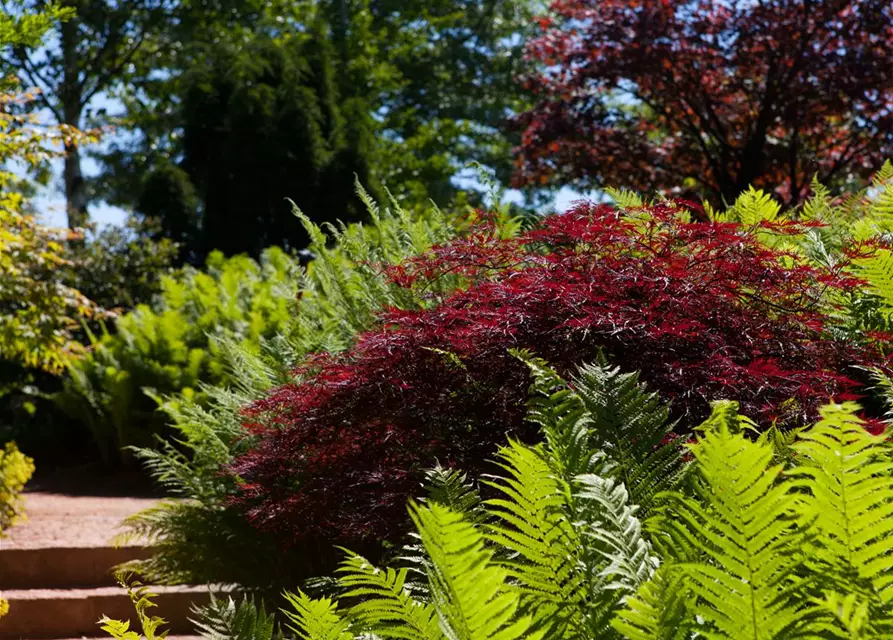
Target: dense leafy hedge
[705,310]
[168,346]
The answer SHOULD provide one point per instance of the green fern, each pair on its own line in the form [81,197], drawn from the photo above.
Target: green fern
[633,428]
[610,521]
[850,613]
[849,475]
[658,610]
[745,525]
[386,605]
[545,549]
[624,198]
[452,488]
[877,271]
[316,619]
[751,208]
[561,416]
[141,597]
[226,620]
[818,207]
[470,592]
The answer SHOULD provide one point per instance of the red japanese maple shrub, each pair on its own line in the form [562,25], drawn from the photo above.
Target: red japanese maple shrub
[702,310]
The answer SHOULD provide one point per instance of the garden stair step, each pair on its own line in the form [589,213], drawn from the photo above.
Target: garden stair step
[56,571]
[68,613]
[64,567]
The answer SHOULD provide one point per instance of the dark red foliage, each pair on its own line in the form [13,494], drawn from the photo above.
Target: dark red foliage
[709,95]
[702,310]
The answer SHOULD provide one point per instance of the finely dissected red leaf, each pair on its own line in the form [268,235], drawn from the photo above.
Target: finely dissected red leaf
[703,310]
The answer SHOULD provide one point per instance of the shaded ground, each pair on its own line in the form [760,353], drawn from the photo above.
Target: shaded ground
[90,480]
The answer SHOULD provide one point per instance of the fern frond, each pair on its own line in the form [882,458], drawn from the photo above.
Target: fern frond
[224,619]
[818,206]
[545,547]
[755,206]
[883,175]
[471,593]
[142,599]
[877,270]
[745,525]
[610,520]
[386,606]
[561,416]
[849,475]
[851,614]
[118,629]
[452,488]
[633,428]
[624,199]
[316,619]
[657,611]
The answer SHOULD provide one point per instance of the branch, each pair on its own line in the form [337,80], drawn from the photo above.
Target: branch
[105,79]
[34,78]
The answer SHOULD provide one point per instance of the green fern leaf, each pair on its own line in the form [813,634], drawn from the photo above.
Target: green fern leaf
[386,606]
[118,629]
[633,428]
[471,593]
[452,488]
[657,611]
[544,546]
[223,619]
[754,206]
[818,207]
[316,619]
[877,270]
[624,199]
[850,477]
[611,522]
[850,612]
[745,526]
[561,416]
[883,175]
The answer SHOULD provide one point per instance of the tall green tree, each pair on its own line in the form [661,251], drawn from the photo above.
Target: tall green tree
[262,123]
[455,65]
[85,55]
[422,89]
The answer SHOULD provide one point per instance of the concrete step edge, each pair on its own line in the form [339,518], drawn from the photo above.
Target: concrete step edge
[61,567]
[70,613]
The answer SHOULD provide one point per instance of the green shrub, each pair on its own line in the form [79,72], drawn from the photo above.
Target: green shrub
[15,471]
[169,346]
[121,267]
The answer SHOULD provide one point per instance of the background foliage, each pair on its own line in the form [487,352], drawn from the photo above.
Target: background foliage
[169,346]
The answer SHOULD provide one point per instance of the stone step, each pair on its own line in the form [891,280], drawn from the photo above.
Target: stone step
[36,614]
[63,567]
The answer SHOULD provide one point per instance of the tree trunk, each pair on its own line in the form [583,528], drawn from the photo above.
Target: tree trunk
[72,104]
[75,189]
